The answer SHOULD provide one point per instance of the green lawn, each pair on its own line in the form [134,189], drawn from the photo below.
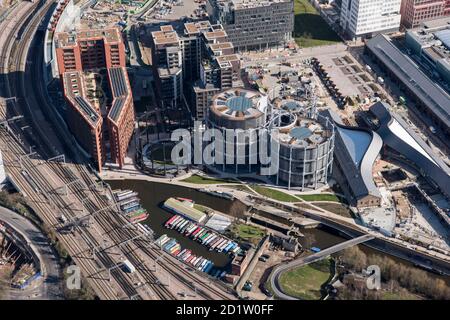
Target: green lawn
[319,197]
[240,187]
[275,194]
[203,180]
[248,233]
[305,282]
[310,29]
[201,208]
[337,208]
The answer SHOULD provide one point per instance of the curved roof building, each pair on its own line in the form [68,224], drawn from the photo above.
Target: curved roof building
[355,151]
[397,135]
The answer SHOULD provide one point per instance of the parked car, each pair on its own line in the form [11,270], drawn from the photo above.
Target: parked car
[248,286]
[266,291]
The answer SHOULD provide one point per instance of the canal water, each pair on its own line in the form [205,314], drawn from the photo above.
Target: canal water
[153,194]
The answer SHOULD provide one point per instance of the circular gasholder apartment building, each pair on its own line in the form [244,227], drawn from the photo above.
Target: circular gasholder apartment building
[305,139]
[305,152]
[239,111]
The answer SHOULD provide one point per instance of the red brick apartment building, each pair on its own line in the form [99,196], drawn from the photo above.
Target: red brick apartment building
[100,129]
[414,12]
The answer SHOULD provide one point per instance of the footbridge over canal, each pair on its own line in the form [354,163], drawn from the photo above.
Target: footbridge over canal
[274,280]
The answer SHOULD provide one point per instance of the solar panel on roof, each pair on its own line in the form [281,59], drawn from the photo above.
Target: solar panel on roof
[118,82]
[444,37]
[301,133]
[116,108]
[86,108]
[291,105]
[239,103]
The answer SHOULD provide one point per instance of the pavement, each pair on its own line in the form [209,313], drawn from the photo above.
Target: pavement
[278,56]
[50,288]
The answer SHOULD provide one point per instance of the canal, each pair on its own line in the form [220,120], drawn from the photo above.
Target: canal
[153,194]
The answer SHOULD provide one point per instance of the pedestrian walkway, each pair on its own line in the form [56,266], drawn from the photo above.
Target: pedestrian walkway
[275,278]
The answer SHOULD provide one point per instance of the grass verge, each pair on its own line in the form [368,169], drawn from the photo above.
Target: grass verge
[319,197]
[204,180]
[310,29]
[275,194]
[306,282]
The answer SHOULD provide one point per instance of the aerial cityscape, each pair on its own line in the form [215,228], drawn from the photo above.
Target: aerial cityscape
[225,150]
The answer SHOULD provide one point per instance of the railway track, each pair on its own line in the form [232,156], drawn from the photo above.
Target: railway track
[176,269]
[12,65]
[45,200]
[113,222]
[41,206]
[13,56]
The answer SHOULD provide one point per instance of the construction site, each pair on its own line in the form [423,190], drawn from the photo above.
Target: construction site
[19,265]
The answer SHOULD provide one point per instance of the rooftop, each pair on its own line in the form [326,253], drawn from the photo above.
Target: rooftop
[185,208]
[221,46]
[227,60]
[434,97]
[194,28]
[437,40]
[356,153]
[238,104]
[73,88]
[166,35]
[65,39]
[215,35]
[248,4]
[305,133]
[119,87]
[118,81]
[357,143]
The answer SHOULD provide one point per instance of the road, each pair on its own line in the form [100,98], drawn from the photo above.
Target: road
[50,288]
[275,278]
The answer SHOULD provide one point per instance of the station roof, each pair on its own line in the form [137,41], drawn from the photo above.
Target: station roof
[435,98]
[444,36]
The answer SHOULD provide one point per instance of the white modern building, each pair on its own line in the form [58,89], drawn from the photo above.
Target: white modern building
[366,18]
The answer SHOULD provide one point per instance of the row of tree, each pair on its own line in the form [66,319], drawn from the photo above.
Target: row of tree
[397,274]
